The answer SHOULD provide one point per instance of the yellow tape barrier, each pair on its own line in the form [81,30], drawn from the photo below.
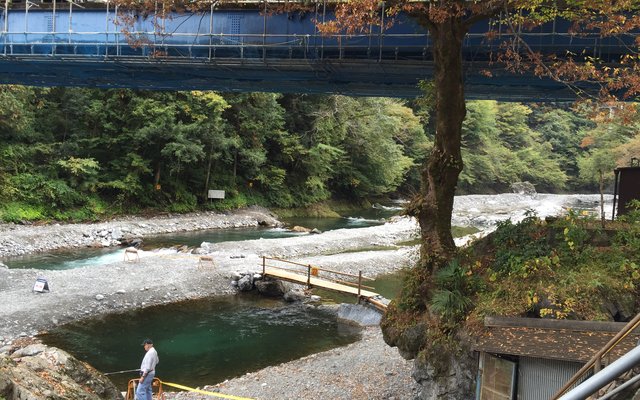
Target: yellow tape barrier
[224,396]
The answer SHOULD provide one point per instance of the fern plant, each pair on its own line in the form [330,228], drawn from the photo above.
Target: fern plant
[455,287]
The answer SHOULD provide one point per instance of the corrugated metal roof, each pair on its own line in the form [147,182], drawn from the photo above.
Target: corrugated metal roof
[561,343]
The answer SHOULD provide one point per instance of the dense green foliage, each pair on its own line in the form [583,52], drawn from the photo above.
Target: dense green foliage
[82,153]
[78,153]
[569,268]
[565,268]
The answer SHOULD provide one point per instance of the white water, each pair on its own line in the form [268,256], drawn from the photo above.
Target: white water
[484,211]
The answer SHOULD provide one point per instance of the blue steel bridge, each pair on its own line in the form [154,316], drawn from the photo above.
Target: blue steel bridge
[81,43]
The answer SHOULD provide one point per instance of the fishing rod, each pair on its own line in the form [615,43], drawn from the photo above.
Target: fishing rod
[122,372]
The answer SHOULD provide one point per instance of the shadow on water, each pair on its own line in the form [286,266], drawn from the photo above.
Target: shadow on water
[204,341]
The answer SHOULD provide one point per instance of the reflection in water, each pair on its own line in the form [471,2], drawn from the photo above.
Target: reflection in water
[204,341]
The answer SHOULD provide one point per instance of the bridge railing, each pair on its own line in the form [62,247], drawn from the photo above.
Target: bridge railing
[211,46]
[315,271]
[252,35]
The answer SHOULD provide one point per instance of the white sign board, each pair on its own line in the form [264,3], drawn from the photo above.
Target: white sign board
[216,194]
[41,285]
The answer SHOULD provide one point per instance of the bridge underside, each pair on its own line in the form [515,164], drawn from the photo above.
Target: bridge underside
[62,43]
[349,77]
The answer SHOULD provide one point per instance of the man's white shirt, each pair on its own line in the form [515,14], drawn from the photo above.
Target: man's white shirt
[149,361]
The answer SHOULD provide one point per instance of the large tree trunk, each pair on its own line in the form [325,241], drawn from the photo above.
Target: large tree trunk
[434,206]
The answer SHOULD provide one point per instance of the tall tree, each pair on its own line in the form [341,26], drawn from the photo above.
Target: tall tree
[561,127]
[499,148]
[448,22]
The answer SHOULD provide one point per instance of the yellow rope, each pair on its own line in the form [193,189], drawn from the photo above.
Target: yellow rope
[224,396]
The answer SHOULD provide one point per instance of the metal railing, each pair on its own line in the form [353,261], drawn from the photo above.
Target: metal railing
[70,32]
[595,363]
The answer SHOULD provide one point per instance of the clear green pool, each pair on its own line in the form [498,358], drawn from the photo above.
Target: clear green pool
[204,341]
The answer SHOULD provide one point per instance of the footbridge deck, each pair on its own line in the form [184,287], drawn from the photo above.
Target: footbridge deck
[309,275]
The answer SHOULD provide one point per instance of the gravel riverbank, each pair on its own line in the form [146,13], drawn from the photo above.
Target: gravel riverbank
[25,239]
[366,369]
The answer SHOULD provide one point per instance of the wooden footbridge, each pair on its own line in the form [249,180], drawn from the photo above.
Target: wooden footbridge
[309,275]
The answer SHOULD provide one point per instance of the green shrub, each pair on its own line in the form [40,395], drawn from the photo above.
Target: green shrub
[551,270]
[235,200]
[184,202]
[455,287]
[17,212]
[517,243]
[574,235]
[40,189]
[629,238]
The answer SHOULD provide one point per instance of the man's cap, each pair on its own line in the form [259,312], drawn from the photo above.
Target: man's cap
[147,341]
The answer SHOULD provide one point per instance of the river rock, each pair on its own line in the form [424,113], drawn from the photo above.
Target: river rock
[525,188]
[245,283]
[294,296]
[116,234]
[270,288]
[30,350]
[26,380]
[300,229]
[132,241]
[198,250]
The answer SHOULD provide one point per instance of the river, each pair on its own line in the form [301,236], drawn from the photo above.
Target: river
[481,212]
[209,340]
[204,341]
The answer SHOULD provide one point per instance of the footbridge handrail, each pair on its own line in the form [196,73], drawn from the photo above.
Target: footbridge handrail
[310,277]
[315,271]
[595,362]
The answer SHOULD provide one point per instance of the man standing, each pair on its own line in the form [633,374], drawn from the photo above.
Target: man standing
[147,371]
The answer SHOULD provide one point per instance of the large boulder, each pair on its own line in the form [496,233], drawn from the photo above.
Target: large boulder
[525,188]
[444,369]
[300,229]
[245,284]
[408,339]
[270,288]
[38,372]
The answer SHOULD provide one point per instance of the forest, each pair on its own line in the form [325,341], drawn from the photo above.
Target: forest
[77,154]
